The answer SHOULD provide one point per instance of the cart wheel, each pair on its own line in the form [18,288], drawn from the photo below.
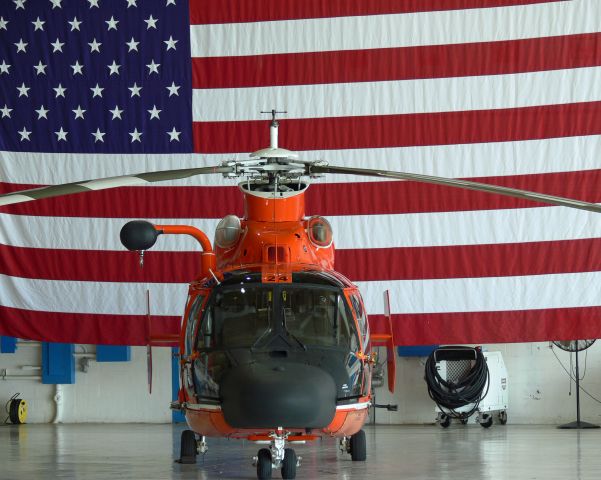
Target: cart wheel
[502,417]
[463,420]
[444,420]
[486,420]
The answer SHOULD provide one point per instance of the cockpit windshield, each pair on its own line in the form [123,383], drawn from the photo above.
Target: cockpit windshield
[242,315]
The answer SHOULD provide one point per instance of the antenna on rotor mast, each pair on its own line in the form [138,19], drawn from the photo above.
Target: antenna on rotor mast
[273,128]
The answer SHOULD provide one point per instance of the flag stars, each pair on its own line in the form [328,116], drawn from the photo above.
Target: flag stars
[42,112]
[57,46]
[112,23]
[61,135]
[77,68]
[75,24]
[4,67]
[3,23]
[5,111]
[151,23]
[153,67]
[173,89]
[135,136]
[94,3]
[170,43]
[21,46]
[174,135]
[23,90]
[19,4]
[24,134]
[132,44]
[56,3]
[40,68]
[60,91]
[131,3]
[135,90]
[170,2]
[113,68]
[116,112]
[154,113]
[94,46]
[98,136]
[79,112]
[38,24]
[97,91]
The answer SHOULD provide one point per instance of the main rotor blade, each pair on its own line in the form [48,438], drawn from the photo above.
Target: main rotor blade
[465,184]
[105,183]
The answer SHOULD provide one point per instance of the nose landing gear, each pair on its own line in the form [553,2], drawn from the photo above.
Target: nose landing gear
[190,447]
[276,456]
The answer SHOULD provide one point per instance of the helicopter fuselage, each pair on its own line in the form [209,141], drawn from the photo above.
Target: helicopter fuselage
[274,339]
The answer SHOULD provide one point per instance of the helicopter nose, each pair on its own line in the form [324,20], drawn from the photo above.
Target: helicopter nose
[270,395]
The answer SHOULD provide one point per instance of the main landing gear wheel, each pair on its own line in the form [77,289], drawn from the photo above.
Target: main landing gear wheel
[289,464]
[188,447]
[264,464]
[358,447]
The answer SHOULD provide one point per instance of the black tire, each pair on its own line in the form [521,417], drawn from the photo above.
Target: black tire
[264,464]
[358,447]
[502,417]
[463,420]
[188,447]
[289,464]
[444,421]
[487,423]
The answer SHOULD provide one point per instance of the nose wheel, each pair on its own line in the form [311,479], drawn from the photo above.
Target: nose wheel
[277,456]
[356,445]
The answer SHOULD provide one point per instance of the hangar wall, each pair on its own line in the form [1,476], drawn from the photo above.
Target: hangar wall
[117,392]
[107,392]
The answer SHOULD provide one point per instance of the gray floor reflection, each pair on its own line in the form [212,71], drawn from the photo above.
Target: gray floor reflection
[94,451]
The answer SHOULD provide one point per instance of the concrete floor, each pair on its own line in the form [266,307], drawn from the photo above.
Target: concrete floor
[93,451]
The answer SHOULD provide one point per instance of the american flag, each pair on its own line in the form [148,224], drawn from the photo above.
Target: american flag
[499,91]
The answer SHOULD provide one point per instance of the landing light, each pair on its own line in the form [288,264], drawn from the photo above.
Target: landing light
[228,231]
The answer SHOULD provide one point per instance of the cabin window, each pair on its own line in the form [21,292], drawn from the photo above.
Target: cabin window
[361,319]
[193,317]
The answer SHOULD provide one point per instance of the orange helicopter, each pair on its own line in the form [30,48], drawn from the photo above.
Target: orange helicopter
[274,344]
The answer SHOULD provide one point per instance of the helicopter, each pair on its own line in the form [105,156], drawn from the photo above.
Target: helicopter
[275,345]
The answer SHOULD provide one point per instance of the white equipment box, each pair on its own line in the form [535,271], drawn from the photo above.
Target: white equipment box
[496,400]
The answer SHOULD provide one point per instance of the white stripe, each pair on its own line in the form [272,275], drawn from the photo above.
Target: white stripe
[354,406]
[412,296]
[467,160]
[485,294]
[356,231]
[402,97]
[401,30]
[109,298]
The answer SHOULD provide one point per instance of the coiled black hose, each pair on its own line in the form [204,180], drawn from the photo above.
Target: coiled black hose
[469,389]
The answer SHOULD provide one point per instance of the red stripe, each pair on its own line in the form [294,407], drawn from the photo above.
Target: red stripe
[83,327]
[385,64]
[239,11]
[494,327]
[417,129]
[408,263]
[444,328]
[334,199]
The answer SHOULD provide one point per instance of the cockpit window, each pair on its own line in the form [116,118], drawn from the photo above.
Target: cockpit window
[239,316]
[236,317]
[317,316]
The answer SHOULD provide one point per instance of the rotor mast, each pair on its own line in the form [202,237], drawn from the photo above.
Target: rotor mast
[273,128]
